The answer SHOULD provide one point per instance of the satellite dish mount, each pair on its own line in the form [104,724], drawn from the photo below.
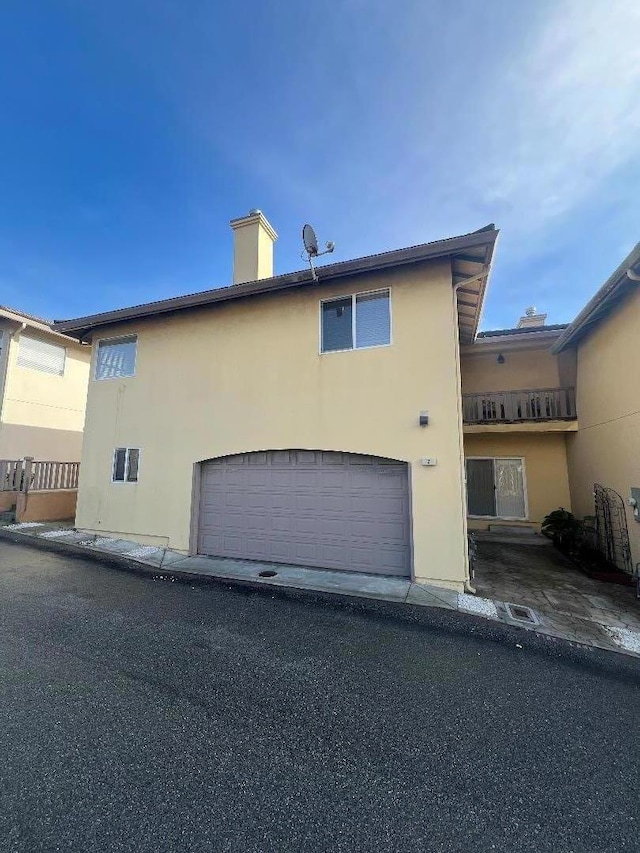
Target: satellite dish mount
[310,242]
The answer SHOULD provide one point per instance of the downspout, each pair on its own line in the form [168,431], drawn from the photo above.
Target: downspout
[468,588]
[632,275]
[4,366]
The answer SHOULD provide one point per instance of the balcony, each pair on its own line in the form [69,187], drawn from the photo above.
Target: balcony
[537,407]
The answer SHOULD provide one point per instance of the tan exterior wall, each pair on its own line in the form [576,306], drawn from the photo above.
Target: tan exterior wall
[545,463]
[46,506]
[7,500]
[42,414]
[606,448]
[522,369]
[248,376]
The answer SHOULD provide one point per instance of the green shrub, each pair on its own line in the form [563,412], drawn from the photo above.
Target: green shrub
[566,531]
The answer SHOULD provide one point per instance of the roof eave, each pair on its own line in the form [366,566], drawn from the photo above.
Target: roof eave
[498,342]
[36,325]
[601,303]
[82,326]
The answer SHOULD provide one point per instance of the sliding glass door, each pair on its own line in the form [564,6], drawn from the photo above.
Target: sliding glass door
[496,488]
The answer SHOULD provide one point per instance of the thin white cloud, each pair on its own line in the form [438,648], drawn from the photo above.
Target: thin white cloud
[569,113]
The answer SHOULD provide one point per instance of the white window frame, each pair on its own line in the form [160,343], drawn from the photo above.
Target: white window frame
[525,489]
[125,482]
[354,296]
[110,341]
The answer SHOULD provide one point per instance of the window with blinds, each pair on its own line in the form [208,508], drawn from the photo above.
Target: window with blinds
[116,357]
[36,354]
[356,322]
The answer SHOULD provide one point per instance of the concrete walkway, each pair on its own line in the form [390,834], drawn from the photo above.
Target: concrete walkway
[167,565]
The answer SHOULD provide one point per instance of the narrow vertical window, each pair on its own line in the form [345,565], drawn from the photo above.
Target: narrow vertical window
[373,319]
[132,465]
[337,325]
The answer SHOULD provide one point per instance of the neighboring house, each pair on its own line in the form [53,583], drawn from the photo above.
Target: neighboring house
[43,389]
[603,342]
[280,418]
[518,409]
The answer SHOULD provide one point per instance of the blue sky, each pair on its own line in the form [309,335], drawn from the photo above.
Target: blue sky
[131,132]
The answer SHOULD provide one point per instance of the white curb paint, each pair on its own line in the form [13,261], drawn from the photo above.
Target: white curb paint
[57,534]
[629,640]
[479,606]
[105,542]
[142,552]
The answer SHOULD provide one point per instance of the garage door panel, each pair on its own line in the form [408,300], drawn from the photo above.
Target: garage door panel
[331,458]
[317,508]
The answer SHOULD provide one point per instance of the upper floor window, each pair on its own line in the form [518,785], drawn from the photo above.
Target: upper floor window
[37,354]
[116,357]
[356,322]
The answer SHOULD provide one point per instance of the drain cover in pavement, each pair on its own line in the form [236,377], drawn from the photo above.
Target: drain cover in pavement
[520,613]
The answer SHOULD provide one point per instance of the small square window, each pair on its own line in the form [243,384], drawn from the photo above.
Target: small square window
[358,321]
[116,358]
[126,461]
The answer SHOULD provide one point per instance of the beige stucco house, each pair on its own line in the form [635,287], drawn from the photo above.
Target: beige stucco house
[552,413]
[518,409]
[43,389]
[356,421]
[280,418]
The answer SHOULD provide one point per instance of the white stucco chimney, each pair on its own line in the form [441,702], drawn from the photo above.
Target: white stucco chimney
[531,319]
[253,239]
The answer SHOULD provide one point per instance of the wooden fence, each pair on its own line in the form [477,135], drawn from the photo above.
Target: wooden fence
[27,475]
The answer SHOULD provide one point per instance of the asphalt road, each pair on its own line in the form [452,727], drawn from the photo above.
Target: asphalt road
[142,715]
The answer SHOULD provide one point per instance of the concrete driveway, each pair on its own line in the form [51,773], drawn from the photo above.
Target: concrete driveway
[142,715]
[542,578]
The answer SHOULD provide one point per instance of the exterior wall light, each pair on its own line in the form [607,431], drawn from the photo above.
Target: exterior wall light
[500,359]
[424,419]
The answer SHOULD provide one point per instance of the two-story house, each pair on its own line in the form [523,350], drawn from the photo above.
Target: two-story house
[43,389]
[314,422]
[518,402]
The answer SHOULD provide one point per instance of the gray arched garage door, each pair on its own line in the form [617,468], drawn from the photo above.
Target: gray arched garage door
[311,508]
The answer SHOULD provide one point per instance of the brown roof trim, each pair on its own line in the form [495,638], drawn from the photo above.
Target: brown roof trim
[544,339]
[524,330]
[615,288]
[485,237]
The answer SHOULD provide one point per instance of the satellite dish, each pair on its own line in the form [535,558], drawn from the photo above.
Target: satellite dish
[310,241]
[311,247]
